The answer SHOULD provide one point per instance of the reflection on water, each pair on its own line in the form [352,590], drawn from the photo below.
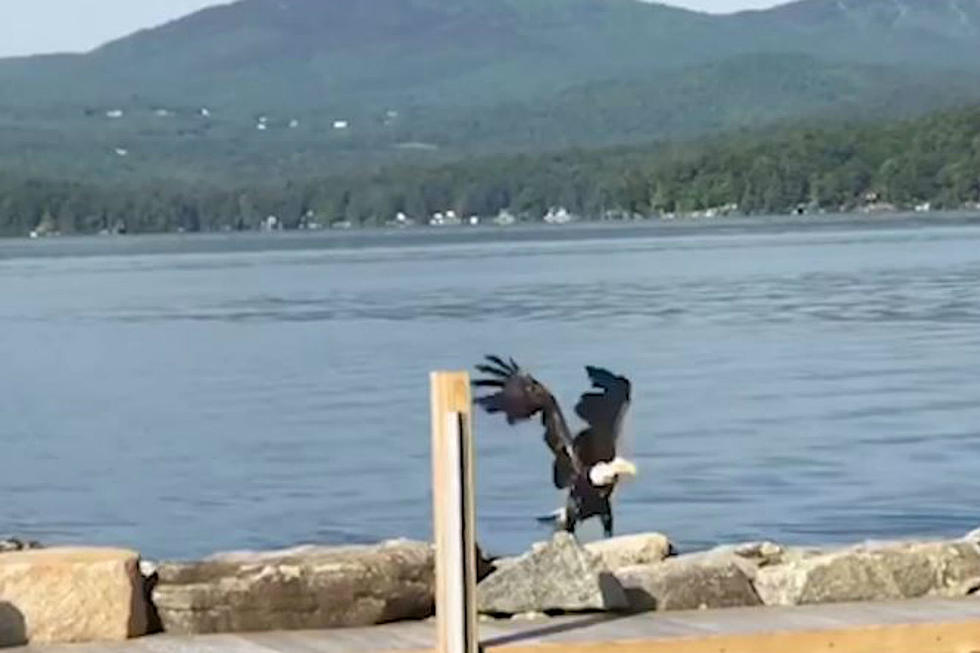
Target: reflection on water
[803,386]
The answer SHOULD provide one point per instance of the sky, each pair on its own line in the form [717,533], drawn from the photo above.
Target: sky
[41,26]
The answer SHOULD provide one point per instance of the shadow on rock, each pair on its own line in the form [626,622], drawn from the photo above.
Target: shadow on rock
[13,627]
[612,592]
[484,564]
[640,600]
[153,623]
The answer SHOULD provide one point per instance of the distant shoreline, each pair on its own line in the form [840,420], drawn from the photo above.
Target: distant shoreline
[83,245]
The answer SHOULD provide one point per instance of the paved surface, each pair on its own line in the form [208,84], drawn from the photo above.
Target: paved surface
[917,626]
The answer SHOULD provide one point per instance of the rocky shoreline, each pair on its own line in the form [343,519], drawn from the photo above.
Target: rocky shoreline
[113,595]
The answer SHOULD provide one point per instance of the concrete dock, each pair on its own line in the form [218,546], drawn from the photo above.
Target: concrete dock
[913,626]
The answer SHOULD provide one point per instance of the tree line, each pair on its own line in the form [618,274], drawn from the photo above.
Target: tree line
[842,167]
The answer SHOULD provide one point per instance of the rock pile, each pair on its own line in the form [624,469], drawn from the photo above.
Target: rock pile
[563,576]
[107,594]
[303,588]
[902,570]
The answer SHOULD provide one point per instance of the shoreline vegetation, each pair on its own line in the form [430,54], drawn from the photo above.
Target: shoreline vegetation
[321,587]
[924,165]
[150,244]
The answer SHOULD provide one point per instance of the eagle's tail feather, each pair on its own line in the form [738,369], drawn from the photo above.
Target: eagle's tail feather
[557,517]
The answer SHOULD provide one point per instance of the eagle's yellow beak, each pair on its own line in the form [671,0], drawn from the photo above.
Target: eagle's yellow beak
[625,468]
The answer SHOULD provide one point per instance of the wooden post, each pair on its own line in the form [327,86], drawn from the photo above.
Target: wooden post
[454,513]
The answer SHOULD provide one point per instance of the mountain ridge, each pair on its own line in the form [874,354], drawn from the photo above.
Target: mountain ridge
[469,76]
[367,51]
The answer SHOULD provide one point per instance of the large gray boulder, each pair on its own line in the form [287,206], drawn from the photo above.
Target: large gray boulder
[751,556]
[70,595]
[303,588]
[555,576]
[688,582]
[873,572]
[631,550]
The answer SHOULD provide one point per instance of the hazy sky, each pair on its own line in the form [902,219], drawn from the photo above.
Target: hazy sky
[35,26]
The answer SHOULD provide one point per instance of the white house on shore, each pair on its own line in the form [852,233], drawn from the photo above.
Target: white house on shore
[445,219]
[504,218]
[401,220]
[558,215]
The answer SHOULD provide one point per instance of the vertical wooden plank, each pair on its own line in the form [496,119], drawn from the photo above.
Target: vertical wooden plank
[453,512]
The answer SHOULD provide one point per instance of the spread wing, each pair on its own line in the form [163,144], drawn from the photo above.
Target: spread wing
[603,411]
[519,396]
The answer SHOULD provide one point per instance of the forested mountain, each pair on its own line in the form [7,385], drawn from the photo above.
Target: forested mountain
[271,54]
[469,77]
[745,92]
[276,94]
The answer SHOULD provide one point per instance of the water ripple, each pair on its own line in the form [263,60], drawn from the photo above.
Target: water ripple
[882,298]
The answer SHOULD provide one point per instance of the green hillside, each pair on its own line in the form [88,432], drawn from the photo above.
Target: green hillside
[934,159]
[744,92]
[257,91]
[270,54]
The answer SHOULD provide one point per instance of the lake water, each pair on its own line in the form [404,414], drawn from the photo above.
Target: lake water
[182,395]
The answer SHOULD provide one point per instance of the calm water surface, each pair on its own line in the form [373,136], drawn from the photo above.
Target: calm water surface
[184,395]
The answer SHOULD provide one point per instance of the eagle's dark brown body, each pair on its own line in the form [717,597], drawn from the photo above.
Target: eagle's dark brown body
[586,464]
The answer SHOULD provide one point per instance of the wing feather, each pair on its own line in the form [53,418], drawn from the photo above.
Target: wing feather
[519,396]
[494,371]
[491,383]
[499,362]
[603,411]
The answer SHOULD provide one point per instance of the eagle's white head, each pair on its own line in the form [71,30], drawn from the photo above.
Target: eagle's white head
[603,474]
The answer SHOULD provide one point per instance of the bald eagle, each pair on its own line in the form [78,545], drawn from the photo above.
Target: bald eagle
[586,464]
